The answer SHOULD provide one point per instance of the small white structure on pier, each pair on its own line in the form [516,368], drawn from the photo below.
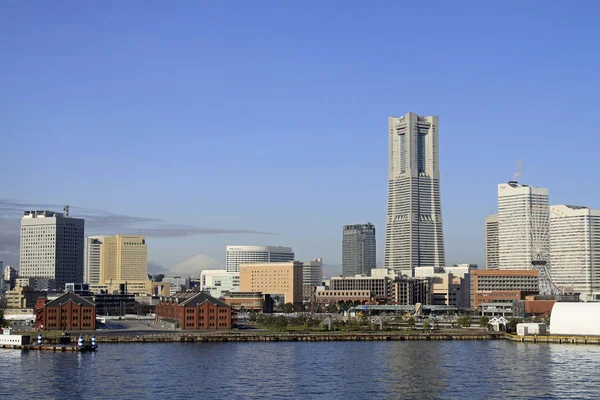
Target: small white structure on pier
[7,338]
[531,329]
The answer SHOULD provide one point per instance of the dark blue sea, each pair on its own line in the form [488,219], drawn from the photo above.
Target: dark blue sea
[317,370]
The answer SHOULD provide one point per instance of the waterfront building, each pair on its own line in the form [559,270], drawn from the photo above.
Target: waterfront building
[274,278]
[523,226]
[52,246]
[192,310]
[413,236]
[67,312]
[411,291]
[575,246]
[502,286]
[358,249]
[118,260]
[451,285]
[218,281]
[385,286]
[246,301]
[378,283]
[491,241]
[326,297]
[237,255]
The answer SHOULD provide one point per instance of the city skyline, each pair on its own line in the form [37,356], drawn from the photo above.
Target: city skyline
[179,174]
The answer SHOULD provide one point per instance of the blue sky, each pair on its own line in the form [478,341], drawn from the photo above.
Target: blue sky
[222,119]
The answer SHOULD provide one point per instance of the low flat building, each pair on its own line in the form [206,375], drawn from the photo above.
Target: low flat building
[67,312]
[451,285]
[245,301]
[218,281]
[410,291]
[23,297]
[329,296]
[275,278]
[114,304]
[378,283]
[502,285]
[191,310]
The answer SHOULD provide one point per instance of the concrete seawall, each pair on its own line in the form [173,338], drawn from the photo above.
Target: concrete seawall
[554,339]
[290,337]
[47,347]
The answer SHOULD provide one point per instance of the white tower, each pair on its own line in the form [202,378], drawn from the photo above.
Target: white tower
[523,226]
[575,245]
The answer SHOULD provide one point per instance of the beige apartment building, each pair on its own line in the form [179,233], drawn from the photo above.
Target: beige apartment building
[115,260]
[275,278]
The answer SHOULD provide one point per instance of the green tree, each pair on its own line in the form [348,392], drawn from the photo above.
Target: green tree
[311,322]
[511,326]
[288,308]
[158,278]
[427,325]
[252,316]
[332,308]
[484,322]
[280,322]
[363,320]
[3,321]
[464,322]
[411,323]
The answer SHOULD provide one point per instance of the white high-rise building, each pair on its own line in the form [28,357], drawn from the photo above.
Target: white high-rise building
[217,281]
[575,250]
[523,226]
[237,255]
[491,241]
[413,236]
[51,249]
[312,272]
[93,260]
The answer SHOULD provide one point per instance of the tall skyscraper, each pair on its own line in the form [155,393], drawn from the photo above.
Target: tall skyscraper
[491,241]
[312,272]
[575,250]
[237,255]
[51,249]
[116,259]
[358,249]
[413,234]
[523,226]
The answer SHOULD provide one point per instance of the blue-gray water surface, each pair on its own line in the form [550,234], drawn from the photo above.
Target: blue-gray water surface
[332,370]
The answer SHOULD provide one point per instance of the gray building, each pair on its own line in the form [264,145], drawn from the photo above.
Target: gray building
[413,232]
[358,249]
[312,272]
[52,246]
[491,241]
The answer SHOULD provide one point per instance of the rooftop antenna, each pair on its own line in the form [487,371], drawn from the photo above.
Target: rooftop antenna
[66,210]
[517,174]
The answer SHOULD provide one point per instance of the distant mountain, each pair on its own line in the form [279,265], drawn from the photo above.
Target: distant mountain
[195,265]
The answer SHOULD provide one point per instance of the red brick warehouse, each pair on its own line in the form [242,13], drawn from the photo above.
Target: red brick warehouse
[68,312]
[194,310]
